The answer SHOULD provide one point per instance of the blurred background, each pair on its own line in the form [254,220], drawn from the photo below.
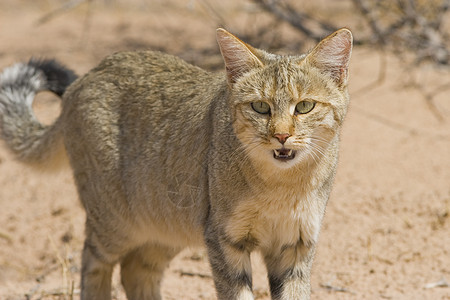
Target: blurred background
[386,231]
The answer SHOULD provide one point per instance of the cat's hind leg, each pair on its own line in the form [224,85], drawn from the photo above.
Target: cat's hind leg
[142,270]
[96,272]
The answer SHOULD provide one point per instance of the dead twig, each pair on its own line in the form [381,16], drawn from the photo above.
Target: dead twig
[309,25]
[193,274]
[32,292]
[381,75]
[63,8]
[59,293]
[429,98]
[68,6]
[72,290]
[214,13]
[373,24]
[67,281]
[440,283]
[331,288]
[408,25]
[7,237]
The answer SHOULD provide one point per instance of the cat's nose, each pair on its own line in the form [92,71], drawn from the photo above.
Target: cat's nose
[282,137]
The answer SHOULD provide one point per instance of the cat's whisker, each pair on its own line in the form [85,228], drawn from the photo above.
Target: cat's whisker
[316,137]
[319,139]
[314,155]
[317,151]
[317,148]
[248,148]
[319,145]
[323,143]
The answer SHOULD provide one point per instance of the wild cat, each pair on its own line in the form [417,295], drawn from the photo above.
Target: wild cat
[166,155]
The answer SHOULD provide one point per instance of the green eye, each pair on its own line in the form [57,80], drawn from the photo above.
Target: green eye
[261,107]
[304,107]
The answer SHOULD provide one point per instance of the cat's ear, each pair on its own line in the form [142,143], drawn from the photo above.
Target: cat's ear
[332,55]
[239,57]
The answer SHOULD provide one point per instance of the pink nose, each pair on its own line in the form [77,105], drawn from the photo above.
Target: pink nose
[282,137]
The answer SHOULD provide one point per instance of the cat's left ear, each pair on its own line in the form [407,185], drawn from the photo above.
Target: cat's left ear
[332,55]
[239,57]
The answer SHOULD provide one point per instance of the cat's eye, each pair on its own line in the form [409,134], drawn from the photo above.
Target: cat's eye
[304,107]
[261,107]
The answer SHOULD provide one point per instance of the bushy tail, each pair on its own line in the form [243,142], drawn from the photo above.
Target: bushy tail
[24,135]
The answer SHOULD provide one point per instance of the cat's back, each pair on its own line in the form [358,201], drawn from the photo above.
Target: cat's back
[134,64]
[140,100]
[141,86]
[142,74]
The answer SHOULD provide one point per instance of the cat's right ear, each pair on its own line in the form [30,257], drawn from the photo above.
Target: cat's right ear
[239,57]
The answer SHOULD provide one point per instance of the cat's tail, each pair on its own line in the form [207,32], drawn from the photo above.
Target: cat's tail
[31,141]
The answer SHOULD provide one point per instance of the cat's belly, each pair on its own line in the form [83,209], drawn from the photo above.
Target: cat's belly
[165,228]
[167,205]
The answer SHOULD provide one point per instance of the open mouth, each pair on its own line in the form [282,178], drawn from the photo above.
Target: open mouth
[283,154]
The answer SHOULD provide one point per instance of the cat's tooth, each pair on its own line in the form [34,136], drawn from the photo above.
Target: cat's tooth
[277,153]
[290,152]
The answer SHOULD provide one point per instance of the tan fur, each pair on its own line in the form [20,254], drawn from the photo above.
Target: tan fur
[166,155]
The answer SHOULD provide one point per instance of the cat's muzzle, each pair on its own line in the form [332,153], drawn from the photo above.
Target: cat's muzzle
[283,154]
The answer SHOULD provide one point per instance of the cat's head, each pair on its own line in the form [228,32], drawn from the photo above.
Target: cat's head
[287,109]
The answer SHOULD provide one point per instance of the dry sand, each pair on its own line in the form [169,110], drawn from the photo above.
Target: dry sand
[386,231]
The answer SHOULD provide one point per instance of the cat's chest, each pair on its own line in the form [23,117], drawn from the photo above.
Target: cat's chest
[274,218]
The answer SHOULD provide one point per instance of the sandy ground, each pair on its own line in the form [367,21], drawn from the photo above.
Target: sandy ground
[386,234]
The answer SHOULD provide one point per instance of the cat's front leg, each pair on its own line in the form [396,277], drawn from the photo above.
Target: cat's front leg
[289,271]
[231,267]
